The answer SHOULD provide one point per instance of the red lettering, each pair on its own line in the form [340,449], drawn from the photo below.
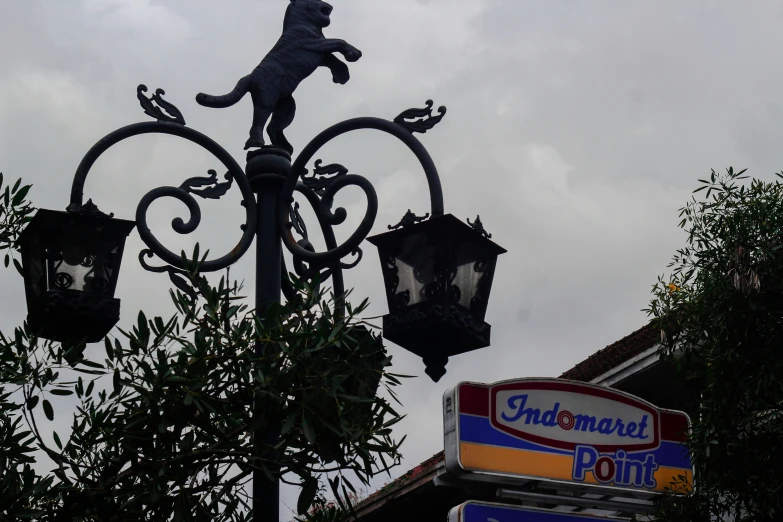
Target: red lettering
[604,469]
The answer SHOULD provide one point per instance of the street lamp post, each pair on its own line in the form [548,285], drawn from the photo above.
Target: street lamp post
[437,270]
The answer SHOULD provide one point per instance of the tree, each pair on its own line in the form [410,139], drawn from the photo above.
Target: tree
[720,314]
[164,423]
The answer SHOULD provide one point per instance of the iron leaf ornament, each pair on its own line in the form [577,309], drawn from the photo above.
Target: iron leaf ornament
[478,226]
[297,223]
[212,188]
[323,176]
[171,114]
[90,209]
[420,120]
[408,219]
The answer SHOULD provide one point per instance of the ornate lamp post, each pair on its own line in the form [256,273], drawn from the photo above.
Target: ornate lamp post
[438,272]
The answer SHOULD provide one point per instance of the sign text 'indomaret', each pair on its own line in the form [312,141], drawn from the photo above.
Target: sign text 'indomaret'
[565,431]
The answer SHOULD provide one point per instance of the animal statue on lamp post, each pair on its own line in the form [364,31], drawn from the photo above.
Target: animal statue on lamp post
[301,49]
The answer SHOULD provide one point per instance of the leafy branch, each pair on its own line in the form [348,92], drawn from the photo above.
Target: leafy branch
[720,314]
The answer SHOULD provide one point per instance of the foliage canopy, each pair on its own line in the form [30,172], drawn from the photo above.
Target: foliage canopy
[720,315]
[164,417]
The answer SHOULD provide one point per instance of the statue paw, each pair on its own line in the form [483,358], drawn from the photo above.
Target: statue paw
[341,78]
[352,54]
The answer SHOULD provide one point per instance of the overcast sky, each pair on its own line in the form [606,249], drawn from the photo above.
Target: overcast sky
[575,129]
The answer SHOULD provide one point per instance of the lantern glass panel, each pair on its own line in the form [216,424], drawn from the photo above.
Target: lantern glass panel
[430,267]
[466,279]
[73,268]
[410,285]
[423,283]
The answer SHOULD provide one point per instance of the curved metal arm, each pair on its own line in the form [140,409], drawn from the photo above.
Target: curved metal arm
[181,193]
[336,253]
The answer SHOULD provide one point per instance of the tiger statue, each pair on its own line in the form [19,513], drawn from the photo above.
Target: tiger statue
[301,49]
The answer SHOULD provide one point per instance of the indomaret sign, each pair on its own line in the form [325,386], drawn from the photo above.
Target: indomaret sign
[566,431]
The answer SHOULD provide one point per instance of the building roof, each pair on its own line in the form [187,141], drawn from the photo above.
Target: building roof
[613,355]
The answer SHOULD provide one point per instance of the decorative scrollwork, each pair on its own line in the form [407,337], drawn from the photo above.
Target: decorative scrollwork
[401,299]
[335,252]
[478,304]
[479,227]
[148,104]
[63,281]
[323,176]
[391,276]
[335,271]
[212,188]
[300,267]
[359,253]
[409,219]
[97,285]
[441,286]
[184,193]
[420,120]
[340,214]
[88,261]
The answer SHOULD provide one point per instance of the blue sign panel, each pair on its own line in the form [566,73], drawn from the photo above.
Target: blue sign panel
[486,512]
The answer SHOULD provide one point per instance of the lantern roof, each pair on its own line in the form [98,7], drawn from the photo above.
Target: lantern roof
[473,241]
[46,221]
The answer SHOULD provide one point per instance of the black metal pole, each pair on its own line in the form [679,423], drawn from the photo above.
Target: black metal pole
[266,178]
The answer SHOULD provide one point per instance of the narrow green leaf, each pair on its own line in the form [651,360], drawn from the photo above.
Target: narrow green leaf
[19,197]
[109,349]
[32,402]
[48,411]
[307,430]
[90,364]
[288,424]
[307,495]
[57,440]
[58,391]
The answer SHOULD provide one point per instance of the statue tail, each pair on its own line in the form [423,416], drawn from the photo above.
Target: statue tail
[227,100]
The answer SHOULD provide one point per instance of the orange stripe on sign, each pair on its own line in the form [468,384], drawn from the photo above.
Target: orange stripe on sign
[477,457]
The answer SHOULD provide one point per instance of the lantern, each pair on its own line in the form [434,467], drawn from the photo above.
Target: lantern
[438,274]
[70,263]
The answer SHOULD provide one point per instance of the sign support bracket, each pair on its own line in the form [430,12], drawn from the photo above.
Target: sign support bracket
[642,508]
